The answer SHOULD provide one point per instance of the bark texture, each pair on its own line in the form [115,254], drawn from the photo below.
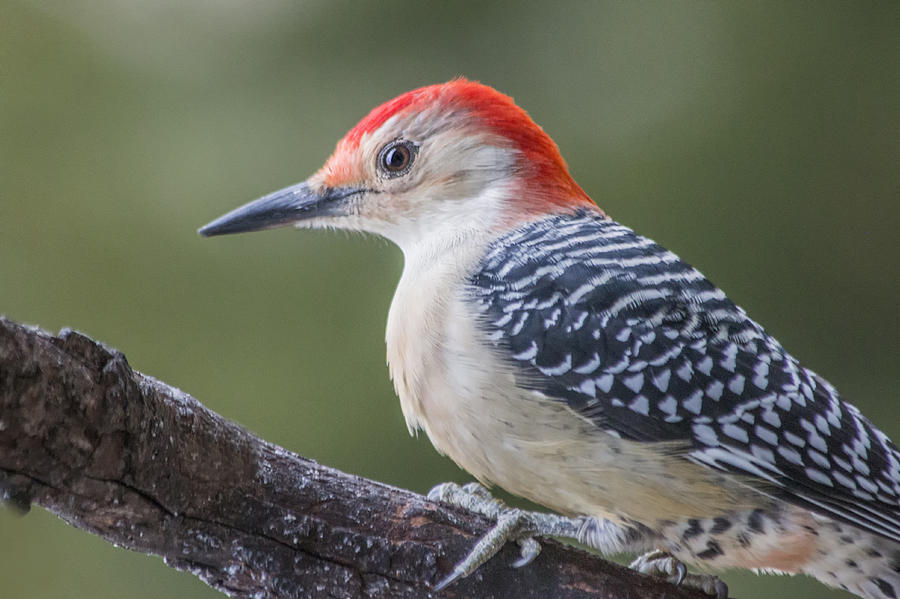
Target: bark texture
[144,465]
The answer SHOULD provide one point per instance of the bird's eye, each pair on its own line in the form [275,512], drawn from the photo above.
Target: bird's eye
[397,157]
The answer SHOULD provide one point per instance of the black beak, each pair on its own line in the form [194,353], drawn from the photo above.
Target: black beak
[282,208]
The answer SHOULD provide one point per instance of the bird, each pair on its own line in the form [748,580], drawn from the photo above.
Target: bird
[556,353]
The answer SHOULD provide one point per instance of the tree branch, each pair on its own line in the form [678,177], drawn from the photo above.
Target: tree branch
[141,464]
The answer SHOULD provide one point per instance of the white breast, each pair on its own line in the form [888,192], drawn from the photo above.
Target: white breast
[421,317]
[454,385]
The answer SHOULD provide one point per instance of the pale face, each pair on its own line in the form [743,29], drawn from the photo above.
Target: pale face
[413,173]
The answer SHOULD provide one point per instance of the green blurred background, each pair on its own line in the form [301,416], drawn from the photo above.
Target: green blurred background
[760,141]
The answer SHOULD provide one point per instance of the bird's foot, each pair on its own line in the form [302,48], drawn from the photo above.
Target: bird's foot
[512,525]
[662,564]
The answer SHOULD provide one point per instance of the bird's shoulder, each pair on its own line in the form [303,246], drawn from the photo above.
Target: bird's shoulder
[602,317]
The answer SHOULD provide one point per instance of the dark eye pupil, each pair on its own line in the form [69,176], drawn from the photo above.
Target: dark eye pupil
[396,158]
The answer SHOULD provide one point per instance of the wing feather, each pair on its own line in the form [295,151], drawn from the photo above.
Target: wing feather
[641,343]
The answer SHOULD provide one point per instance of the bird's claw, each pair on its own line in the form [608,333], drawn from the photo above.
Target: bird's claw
[471,496]
[660,563]
[449,579]
[529,550]
[512,524]
[520,526]
[721,589]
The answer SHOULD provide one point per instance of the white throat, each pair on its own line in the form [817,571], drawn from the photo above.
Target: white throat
[436,266]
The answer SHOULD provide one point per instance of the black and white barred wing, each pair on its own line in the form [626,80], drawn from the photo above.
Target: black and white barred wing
[645,346]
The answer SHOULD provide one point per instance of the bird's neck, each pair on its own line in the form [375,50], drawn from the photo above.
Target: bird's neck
[435,271]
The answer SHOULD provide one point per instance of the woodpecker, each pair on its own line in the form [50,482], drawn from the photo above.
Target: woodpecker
[552,351]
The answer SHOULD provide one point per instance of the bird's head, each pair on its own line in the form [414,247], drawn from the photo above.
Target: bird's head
[449,157]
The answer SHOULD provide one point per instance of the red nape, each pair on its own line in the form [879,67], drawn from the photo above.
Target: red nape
[547,183]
